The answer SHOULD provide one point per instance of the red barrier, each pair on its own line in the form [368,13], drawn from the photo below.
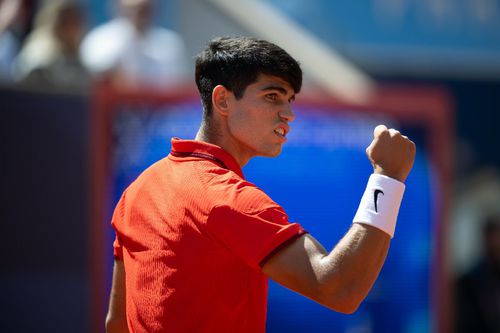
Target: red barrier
[428,107]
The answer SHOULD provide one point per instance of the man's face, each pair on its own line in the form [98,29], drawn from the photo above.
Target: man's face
[258,122]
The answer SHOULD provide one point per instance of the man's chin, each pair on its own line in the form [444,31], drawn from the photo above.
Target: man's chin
[272,153]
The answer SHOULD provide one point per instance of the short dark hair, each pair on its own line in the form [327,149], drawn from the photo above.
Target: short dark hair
[236,62]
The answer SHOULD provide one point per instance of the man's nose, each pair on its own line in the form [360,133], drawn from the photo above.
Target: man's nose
[287,113]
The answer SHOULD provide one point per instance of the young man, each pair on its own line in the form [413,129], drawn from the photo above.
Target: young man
[196,242]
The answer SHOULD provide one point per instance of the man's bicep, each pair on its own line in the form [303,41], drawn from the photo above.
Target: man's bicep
[297,266]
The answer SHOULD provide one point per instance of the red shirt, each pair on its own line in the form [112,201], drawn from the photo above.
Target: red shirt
[192,233]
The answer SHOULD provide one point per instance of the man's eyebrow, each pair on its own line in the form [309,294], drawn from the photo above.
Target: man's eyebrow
[279,88]
[282,90]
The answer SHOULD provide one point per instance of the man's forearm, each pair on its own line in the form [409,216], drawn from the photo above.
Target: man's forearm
[349,271]
[116,319]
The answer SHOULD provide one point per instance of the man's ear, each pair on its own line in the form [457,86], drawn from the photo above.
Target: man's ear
[221,100]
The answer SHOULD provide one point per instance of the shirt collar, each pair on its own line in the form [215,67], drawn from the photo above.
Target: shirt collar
[200,149]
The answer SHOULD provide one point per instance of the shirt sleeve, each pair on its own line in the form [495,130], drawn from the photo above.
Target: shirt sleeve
[116,223]
[117,249]
[252,234]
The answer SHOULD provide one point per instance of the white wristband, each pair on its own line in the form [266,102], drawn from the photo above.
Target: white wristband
[380,203]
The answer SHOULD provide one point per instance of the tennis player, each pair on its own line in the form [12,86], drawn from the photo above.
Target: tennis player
[196,243]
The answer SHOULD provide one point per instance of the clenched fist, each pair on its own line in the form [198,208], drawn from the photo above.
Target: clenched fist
[391,153]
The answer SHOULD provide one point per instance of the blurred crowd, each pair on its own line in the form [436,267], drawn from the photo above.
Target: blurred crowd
[478,290]
[49,45]
[476,247]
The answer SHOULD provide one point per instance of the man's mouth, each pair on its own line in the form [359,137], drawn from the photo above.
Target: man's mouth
[280,132]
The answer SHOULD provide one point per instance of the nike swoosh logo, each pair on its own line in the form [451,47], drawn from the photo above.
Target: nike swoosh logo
[375,194]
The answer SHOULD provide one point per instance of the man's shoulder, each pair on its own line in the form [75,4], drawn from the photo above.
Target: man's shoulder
[216,184]
[149,176]
[233,191]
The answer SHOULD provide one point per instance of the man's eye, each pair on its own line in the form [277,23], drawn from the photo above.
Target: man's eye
[272,97]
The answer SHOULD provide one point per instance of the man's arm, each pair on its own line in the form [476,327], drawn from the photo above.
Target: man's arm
[116,320]
[341,279]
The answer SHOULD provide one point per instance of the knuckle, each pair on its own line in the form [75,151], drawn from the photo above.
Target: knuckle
[381,129]
[394,133]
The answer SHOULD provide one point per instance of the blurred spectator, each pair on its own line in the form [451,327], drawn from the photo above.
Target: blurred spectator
[478,291]
[50,55]
[133,51]
[9,44]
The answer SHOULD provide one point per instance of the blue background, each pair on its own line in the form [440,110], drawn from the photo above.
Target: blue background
[318,179]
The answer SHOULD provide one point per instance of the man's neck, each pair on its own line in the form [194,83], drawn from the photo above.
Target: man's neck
[210,133]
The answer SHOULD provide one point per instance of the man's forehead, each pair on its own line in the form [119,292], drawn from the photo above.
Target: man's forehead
[268,81]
